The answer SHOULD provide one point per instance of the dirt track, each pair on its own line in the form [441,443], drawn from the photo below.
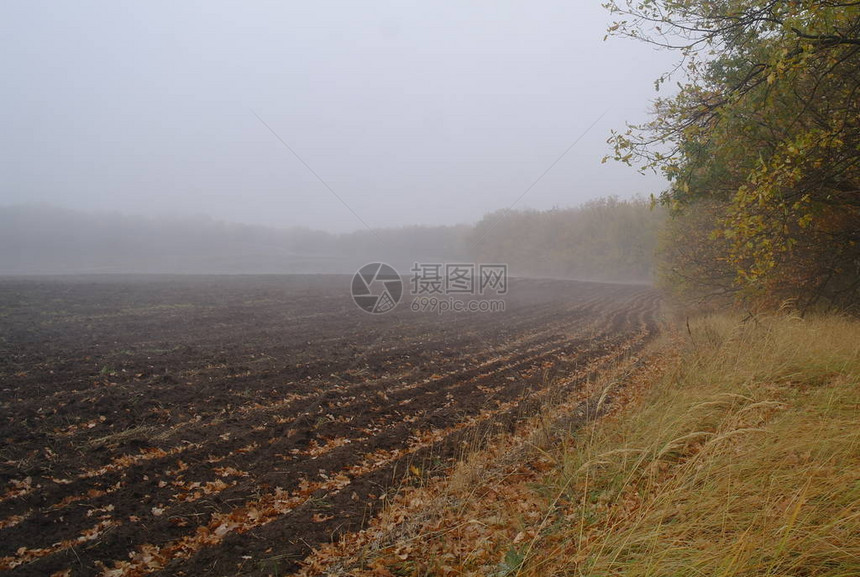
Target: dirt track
[226,425]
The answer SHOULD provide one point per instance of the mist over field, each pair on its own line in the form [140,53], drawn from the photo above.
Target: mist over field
[602,240]
[330,116]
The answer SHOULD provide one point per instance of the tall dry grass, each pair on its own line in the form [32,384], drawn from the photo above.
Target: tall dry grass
[745,460]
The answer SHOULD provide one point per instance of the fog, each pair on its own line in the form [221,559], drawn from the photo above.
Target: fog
[334,116]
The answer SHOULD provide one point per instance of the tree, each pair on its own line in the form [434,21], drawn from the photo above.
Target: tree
[765,128]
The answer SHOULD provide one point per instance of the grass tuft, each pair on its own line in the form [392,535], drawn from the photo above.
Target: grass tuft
[743,461]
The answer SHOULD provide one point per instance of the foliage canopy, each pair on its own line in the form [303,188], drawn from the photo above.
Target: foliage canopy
[761,142]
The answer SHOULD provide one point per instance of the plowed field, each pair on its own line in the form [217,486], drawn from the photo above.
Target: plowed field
[226,425]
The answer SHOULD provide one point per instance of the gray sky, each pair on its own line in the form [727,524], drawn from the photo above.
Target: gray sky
[413,112]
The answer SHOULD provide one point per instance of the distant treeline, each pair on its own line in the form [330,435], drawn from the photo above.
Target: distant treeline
[49,240]
[606,240]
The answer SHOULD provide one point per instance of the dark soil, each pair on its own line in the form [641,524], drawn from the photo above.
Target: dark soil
[138,412]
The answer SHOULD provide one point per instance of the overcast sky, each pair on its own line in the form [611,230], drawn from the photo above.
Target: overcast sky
[412,112]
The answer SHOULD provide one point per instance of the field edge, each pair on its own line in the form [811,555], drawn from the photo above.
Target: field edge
[420,512]
[731,448]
